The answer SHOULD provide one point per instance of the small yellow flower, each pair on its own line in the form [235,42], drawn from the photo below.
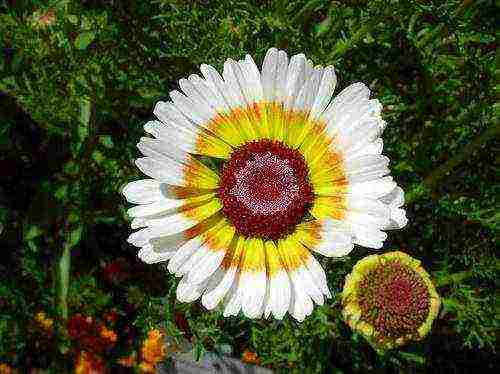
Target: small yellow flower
[45,323]
[390,300]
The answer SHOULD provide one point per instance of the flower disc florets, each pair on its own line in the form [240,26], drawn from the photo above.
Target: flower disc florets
[265,189]
[390,299]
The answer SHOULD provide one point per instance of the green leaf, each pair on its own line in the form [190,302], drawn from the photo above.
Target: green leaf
[32,232]
[83,40]
[71,168]
[412,357]
[106,141]
[324,26]
[74,237]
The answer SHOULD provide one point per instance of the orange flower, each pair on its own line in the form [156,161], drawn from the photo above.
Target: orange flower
[88,363]
[6,369]
[146,367]
[108,334]
[45,323]
[153,351]
[127,361]
[250,357]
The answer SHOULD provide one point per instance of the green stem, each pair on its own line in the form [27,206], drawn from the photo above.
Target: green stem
[64,273]
[86,135]
[72,239]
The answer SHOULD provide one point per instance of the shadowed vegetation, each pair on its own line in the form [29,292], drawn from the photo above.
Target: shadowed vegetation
[78,79]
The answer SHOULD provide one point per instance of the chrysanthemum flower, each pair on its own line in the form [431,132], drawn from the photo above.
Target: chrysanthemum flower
[251,172]
[390,299]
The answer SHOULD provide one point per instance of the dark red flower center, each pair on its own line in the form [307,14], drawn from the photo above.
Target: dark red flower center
[394,299]
[265,189]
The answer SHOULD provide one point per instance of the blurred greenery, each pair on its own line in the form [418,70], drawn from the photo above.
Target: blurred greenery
[78,79]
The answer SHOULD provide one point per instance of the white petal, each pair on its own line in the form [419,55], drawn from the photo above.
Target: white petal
[187,292]
[193,262]
[182,139]
[138,223]
[364,149]
[281,77]
[177,223]
[192,110]
[307,284]
[367,219]
[218,86]
[163,206]
[374,189]
[253,286]
[197,97]
[352,139]
[168,171]
[232,301]
[325,92]
[279,295]
[144,191]
[336,239]
[372,207]
[170,115]
[207,267]
[211,95]
[252,78]
[368,236]
[295,79]
[213,296]
[269,74]
[141,238]
[301,304]
[232,77]
[395,199]
[307,93]
[183,254]
[160,150]
[149,256]
[318,275]
[348,118]
[398,219]
[366,168]
[350,95]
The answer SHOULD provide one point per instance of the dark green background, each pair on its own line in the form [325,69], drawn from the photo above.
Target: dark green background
[75,94]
